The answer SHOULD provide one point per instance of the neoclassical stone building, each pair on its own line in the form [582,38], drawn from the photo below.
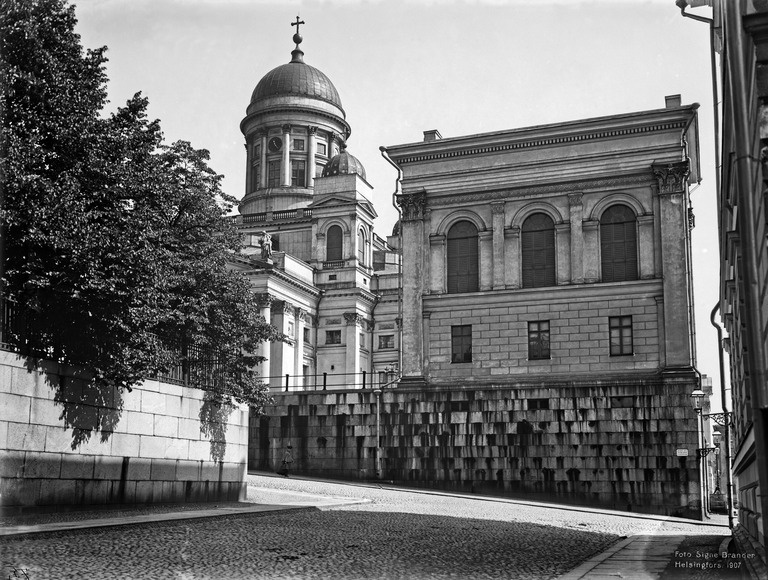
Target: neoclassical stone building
[310,197]
[539,325]
[553,251]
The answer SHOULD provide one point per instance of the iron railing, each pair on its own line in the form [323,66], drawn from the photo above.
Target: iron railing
[332,381]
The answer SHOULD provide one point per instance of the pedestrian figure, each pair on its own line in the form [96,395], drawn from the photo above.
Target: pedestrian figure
[287,461]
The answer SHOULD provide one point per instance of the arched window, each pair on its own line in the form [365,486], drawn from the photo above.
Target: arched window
[538,242]
[462,258]
[618,244]
[333,240]
[361,247]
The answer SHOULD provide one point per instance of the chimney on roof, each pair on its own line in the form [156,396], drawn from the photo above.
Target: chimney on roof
[432,135]
[673,101]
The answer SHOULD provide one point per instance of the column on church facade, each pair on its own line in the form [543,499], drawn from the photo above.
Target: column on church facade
[673,218]
[298,353]
[562,243]
[332,140]
[265,301]
[497,210]
[282,353]
[437,263]
[285,163]
[311,152]
[576,210]
[591,251]
[485,240]
[427,272]
[412,227]
[263,160]
[646,246]
[512,257]
[353,320]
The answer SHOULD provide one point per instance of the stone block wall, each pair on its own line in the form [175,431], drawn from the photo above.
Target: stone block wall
[607,443]
[148,447]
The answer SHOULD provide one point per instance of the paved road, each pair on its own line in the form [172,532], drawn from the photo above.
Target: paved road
[397,534]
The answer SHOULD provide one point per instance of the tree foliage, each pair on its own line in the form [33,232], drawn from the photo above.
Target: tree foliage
[115,244]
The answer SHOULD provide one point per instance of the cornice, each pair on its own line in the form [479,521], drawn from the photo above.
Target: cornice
[452,148]
[279,274]
[568,187]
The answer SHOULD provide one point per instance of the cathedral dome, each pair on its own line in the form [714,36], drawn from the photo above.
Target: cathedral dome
[298,79]
[344,164]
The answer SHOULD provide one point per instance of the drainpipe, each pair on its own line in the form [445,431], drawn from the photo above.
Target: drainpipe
[726,417]
[385,155]
[317,334]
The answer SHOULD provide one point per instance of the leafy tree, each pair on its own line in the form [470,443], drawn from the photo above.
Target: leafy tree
[115,246]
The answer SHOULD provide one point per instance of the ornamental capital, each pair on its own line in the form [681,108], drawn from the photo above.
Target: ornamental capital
[352,318]
[574,199]
[286,128]
[312,129]
[302,315]
[671,176]
[497,208]
[263,300]
[283,306]
[413,205]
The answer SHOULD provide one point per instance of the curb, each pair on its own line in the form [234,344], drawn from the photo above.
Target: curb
[10,531]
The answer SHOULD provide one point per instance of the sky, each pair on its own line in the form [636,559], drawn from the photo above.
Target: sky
[402,67]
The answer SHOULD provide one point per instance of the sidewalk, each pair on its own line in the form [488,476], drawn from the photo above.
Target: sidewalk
[665,557]
[260,500]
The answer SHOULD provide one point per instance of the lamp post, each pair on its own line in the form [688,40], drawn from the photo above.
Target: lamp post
[697,396]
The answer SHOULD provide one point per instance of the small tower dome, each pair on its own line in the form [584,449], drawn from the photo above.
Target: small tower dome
[344,164]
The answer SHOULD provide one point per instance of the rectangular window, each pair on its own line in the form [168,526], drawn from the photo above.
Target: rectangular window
[386,341]
[362,340]
[621,335]
[333,337]
[538,340]
[298,144]
[538,404]
[321,148]
[306,335]
[257,150]
[298,173]
[461,343]
[273,174]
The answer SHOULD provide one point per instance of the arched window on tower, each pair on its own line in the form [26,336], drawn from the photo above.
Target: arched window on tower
[538,244]
[361,247]
[462,258]
[618,244]
[333,241]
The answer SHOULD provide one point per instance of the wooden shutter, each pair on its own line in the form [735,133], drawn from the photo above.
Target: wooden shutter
[618,244]
[538,247]
[463,261]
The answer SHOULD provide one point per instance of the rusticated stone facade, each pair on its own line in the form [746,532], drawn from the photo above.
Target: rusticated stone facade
[607,443]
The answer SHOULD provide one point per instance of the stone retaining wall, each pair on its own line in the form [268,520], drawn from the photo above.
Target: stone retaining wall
[68,445]
[607,443]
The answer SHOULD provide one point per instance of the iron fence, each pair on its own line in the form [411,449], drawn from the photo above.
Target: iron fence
[332,381]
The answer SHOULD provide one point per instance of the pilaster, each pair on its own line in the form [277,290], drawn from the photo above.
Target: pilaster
[437,263]
[673,218]
[485,240]
[591,263]
[352,320]
[576,209]
[562,243]
[646,245]
[497,210]
[512,257]
[413,206]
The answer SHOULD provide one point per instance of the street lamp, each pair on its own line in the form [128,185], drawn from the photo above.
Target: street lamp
[697,397]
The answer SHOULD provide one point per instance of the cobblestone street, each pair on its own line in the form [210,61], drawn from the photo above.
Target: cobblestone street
[396,534]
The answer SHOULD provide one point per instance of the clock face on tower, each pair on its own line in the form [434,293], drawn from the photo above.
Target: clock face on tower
[275,144]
